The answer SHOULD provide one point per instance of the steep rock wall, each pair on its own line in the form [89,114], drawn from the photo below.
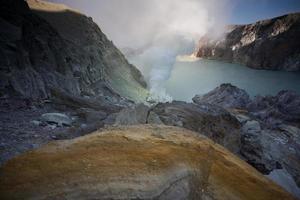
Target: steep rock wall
[47,46]
[272,44]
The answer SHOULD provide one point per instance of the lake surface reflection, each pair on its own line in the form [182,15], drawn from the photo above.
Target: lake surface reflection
[200,77]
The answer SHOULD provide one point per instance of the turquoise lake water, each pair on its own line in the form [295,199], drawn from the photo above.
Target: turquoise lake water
[200,77]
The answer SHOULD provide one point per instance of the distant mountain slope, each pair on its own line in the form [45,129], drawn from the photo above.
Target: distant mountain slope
[47,46]
[272,44]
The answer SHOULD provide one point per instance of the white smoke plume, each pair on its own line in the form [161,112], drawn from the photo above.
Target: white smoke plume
[156,30]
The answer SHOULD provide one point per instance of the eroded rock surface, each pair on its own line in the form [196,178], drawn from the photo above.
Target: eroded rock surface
[54,59]
[139,162]
[57,118]
[282,108]
[45,46]
[226,96]
[210,120]
[272,149]
[270,134]
[133,116]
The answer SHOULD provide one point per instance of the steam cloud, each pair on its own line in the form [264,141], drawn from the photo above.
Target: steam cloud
[156,30]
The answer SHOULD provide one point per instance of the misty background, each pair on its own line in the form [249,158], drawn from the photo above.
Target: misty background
[152,33]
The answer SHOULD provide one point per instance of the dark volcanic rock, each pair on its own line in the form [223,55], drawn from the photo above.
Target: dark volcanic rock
[21,129]
[212,121]
[90,115]
[57,118]
[270,136]
[284,107]
[226,96]
[272,44]
[50,46]
[56,60]
[75,102]
[271,149]
[133,116]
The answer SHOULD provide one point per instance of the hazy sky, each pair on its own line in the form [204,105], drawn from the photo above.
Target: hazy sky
[247,11]
[243,11]
[127,15]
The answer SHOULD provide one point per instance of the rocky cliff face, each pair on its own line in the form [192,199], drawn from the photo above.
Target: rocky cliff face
[137,162]
[269,44]
[45,46]
[55,61]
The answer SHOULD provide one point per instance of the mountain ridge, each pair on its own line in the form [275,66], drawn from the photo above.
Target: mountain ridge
[63,49]
[271,44]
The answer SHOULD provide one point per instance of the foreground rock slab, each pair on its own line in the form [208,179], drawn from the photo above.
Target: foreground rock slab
[137,162]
